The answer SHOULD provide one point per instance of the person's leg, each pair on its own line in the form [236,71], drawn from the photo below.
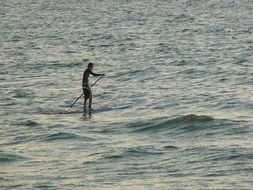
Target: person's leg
[84,98]
[84,103]
[90,100]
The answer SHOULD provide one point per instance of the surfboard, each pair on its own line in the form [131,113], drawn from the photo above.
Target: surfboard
[106,109]
[96,110]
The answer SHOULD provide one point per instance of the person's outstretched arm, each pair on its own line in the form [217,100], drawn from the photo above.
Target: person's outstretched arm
[95,74]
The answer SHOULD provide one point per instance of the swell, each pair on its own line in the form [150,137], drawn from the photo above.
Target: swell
[135,152]
[56,136]
[10,157]
[64,136]
[187,123]
[237,156]
[132,152]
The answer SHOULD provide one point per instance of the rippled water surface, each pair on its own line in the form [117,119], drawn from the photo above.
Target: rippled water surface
[174,110]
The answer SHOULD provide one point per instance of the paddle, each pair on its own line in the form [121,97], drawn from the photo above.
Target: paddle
[82,93]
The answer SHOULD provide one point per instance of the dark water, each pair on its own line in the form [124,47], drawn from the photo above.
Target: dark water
[174,110]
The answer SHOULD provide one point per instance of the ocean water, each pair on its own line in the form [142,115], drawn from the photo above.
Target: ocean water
[174,110]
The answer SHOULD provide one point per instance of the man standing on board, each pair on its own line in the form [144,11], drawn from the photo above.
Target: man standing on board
[86,86]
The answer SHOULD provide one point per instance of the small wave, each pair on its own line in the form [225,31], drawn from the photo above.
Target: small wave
[241,61]
[28,123]
[64,136]
[56,126]
[141,151]
[221,154]
[47,138]
[70,51]
[170,147]
[187,123]
[8,157]
[21,93]
[184,18]
[20,139]
[241,156]
[134,152]
[194,118]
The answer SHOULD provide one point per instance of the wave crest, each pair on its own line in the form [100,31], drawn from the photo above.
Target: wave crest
[189,122]
[65,136]
[10,157]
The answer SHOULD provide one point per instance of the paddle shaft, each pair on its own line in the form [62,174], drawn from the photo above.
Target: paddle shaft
[82,93]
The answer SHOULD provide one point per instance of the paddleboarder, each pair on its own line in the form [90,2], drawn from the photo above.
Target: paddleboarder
[86,86]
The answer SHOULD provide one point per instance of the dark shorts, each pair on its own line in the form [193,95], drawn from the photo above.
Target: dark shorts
[86,91]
